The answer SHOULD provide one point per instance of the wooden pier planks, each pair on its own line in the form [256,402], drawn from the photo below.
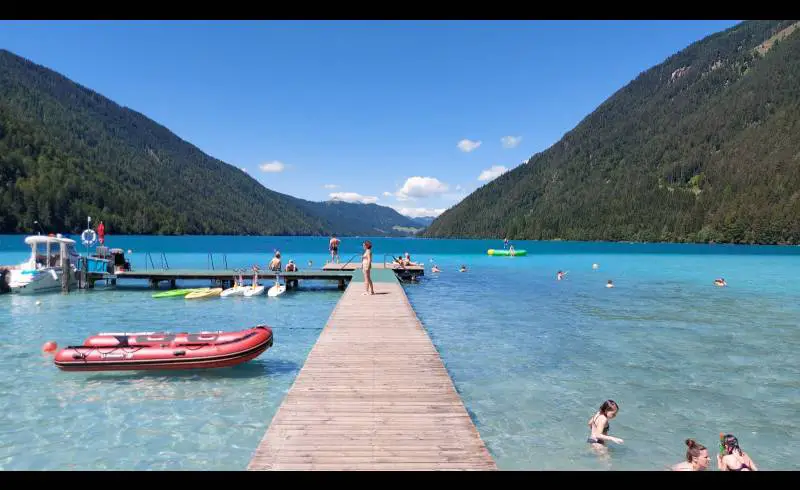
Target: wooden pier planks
[372,395]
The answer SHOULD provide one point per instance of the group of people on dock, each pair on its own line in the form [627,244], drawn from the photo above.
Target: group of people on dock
[730,456]
[275,264]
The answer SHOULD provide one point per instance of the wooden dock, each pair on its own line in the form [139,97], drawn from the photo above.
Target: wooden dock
[373,395]
[226,276]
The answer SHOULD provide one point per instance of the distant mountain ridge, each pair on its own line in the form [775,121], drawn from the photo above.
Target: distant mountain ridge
[702,147]
[360,219]
[67,152]
[424,220]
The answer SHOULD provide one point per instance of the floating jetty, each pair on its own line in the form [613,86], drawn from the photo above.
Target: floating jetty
[373,394]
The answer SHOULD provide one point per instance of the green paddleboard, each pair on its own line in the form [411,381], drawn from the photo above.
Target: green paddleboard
[174,293]
[506,253]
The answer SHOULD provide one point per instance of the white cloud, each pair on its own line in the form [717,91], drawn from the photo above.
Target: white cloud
[387,194]
[467,146]
[492,173]
[330,186]
[352,197]
[420,187]
[458,187]
[272,167]
[419,212]
[510,141]
[244,170]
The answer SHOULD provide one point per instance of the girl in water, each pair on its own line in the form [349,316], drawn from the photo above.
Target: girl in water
[733,458]
[598,426]
[696,457]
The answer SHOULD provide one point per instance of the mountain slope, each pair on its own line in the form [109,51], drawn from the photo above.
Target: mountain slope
[702,147]
[347,218]
[67,152]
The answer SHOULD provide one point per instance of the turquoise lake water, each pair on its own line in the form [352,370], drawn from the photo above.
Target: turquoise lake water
[532,357]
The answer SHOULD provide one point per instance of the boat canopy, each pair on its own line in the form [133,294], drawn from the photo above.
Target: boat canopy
[36,239]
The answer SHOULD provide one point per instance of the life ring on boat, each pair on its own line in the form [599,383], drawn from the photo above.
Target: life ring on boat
[88,237]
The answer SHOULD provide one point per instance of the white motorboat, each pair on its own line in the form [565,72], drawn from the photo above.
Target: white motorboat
[42,271]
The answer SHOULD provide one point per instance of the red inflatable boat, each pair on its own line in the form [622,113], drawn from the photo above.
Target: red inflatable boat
[159,350]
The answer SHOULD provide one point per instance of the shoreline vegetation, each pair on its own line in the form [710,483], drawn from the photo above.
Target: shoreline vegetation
[76,235]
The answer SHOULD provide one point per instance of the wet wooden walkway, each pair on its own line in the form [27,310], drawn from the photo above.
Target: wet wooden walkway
[372,395]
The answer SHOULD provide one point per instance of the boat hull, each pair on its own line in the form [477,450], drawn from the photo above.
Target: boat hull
[148,352]
[40,281]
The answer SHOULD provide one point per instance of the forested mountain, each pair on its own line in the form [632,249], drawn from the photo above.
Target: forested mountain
[702,147]
[67,152]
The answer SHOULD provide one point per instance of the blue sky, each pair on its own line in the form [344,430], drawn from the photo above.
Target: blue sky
[413,115]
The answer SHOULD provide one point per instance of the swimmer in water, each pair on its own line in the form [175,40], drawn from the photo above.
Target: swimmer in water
[696,457]
[435,268]
[733,459]
[598,426]
[463,268]
[610,284]
[720,282]
[559,275]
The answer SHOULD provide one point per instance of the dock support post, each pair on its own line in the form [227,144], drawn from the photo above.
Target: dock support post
[154,283]
[65,269]
[172,283]
[341,284]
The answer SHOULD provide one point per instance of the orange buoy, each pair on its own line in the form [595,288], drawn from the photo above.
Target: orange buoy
[49,346]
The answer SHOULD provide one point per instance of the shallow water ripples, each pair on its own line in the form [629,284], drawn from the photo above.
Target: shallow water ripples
[533,358]
[205,419]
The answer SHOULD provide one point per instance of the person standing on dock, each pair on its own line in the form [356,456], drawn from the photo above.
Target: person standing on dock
[101,233]
[366,268]
[333,246]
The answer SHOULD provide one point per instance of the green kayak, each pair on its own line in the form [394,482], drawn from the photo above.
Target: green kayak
[174,293]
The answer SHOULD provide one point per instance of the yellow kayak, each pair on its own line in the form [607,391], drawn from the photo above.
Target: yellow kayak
[204,293]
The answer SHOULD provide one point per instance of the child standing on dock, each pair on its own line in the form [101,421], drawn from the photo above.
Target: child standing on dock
[366,267]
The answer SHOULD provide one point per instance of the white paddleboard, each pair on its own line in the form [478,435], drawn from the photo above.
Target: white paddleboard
[234,291]
[276,290]
[254,291]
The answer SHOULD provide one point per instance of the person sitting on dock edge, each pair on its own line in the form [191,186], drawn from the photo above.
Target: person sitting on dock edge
[275,263]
